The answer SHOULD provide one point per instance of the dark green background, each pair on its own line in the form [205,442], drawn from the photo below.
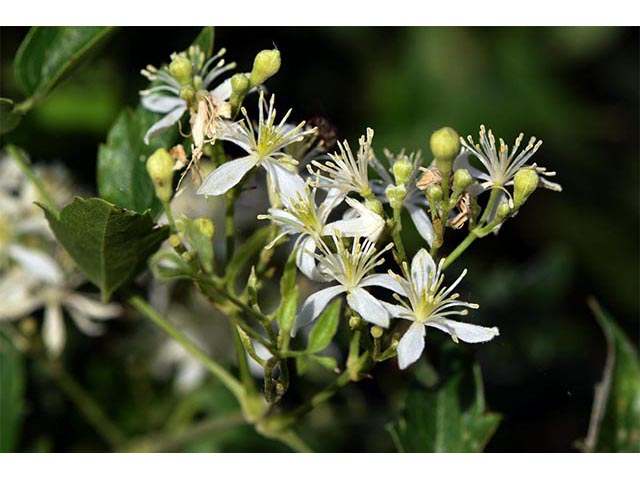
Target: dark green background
[576,88]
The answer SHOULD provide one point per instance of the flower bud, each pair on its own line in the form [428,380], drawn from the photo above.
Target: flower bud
[355,322]
[265,66]
[174,241]
[461,179]
[396,195]
[402,170]
[376,331]
[240,84]
[434,194]
[524,183]
[160,169]
[187,93]
[374,205]
[445,146]
[181,69]
[503,211]
[206,226]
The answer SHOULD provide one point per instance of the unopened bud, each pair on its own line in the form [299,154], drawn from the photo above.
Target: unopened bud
[374,205]
[206,226]
[503,211]
[160,169]
[402,170]
[186,256]
[187,92]
[376,331]
[265,66]
[174,241]
[524,183]
[181,69]
[445,146]
[396,195]
[461,179]
[434,194]
[240,84]
[355,322]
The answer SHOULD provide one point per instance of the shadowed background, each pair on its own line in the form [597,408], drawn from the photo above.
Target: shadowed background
[576,88]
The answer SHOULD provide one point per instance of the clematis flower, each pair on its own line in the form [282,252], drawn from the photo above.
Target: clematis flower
[500,165]
[264,148]
[353,270]
[309,221]
[429,304]
[176,92]
[415,202]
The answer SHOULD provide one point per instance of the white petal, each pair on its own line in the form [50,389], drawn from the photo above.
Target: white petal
[384,280]
[397,311]
[421,221]
[223,91]
[306,262]
[84,324]
[165,122]
[466,332]
[368,306]
[556,187]
[411,345]
[235,132]
[53,332]
[161,103]
[368,224]
[38,263]
[463,162]
[421,266]
[287,184]
[315,304]
[18,294]
[227,176]
[93,308]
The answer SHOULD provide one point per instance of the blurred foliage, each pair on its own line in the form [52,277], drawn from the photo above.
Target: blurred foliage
[576,88]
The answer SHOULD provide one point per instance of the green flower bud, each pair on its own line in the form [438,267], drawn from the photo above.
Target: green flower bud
[174,241]
[265,66]
[503,211]
[461,179]
[186,256]
[402,170]
[396,195]
[524,183]
[374,205]
[240,84]
[355,322]
[187,93]
[181,69]
[445,146]
[376,331]
[434,194]
[160,169]
[206,226]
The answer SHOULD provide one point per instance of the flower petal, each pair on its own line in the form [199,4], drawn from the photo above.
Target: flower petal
[227,176]
[421,221]
[368,306]
[411,345]
[223,91]
[421,266]
[384,280]
[368,224]
[165,122]
[53,332]
[467,332]
[397,311]
[93,308]
[84,324]
[38,263]
[306,262]
[287,183]
[161,103]
[315,304]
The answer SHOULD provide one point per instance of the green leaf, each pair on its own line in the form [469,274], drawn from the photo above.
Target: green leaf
[11,395]
[122,173]
[9,116]
[205,40]
[325,328]
[615,419]
[109,244]
[287,312]
[448,418]
[304,362]
[289,275]
[48,54]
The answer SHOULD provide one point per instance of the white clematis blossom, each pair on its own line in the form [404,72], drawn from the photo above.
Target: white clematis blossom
[429,304]
[264,148]
[500,165]
[353,270]
[309,221]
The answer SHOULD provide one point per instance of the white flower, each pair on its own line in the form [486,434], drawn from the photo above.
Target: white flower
[500,165]
[415,200]
[166,96]
[345,173]
[429,304]
[353,270]
[264,148]
[304,218]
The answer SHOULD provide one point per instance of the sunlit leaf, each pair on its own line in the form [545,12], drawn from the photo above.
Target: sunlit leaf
[324,328]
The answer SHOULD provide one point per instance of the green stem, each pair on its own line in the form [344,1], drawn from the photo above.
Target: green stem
[215,368]
[20,158]
[89,408]
[294,442]
[397,235]
[493,198]
[167,210]
[241,355]
[229,225]
[162,442]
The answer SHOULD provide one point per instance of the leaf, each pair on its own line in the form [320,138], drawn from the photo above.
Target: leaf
[110,245]
[442,419]
[615,417]
[325,328]
[287,312]
[48,54]
[205,40]
[122,173]
[9,116]
[11,395]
